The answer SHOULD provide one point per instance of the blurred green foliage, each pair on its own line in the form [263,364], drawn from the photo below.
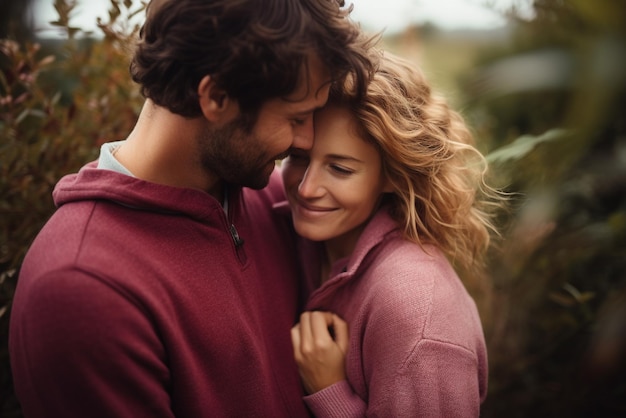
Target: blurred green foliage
[15,22]
[546,98]
[552,104]
[60,99]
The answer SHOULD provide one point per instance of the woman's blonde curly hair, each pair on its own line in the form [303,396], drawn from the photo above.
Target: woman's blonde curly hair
[438,176]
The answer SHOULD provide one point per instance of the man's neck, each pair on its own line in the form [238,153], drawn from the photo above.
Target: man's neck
[163,149]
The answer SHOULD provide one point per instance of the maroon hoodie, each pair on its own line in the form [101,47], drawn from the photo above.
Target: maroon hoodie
[143,300]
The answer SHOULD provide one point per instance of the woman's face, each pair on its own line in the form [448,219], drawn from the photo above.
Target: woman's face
[335,187]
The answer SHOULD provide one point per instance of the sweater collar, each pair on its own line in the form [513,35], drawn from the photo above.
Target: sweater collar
[92,183]
[375,232]
[380,227]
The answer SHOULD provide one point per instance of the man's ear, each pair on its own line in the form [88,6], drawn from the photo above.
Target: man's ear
[214,102]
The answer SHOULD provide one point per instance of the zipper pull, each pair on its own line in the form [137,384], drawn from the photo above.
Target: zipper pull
[236,238]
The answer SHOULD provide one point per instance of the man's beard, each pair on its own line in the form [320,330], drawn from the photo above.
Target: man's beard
[235,155]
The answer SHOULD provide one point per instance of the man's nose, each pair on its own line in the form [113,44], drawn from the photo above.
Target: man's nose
[303,135]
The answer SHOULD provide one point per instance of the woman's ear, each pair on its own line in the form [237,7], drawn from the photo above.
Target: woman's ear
[214,102]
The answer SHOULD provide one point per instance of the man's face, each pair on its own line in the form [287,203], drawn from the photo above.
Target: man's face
[247,157]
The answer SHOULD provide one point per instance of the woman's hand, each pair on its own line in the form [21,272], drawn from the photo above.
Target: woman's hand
[320,355]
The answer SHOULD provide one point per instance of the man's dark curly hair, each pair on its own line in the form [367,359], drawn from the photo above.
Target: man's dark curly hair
[253,49]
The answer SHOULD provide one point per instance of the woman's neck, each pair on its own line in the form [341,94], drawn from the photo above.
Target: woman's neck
[324,271]
[334,250]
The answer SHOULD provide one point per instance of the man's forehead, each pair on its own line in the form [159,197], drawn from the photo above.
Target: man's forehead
[313,82]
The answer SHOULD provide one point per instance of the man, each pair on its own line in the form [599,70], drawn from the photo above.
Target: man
[161,287]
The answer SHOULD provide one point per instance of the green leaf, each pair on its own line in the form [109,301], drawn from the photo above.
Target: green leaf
[30,112]
[523,145]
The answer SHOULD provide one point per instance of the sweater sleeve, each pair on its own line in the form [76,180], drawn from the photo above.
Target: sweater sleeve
[422,347]
[82,348]
[438,380]
[408,374]
[338,400]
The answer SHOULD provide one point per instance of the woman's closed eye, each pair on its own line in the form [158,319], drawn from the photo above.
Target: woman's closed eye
[341,170]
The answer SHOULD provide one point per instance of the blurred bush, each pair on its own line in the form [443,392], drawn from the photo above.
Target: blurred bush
[552,103]
[60,99]
[549,106]
[15,21]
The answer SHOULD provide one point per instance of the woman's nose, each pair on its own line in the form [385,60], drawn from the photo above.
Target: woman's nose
[309,185]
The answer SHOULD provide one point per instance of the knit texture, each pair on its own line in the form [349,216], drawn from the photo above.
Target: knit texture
[416,343]
[136,301]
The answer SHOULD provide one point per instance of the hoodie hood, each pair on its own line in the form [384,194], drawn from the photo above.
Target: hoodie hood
[380,228]
[92,183]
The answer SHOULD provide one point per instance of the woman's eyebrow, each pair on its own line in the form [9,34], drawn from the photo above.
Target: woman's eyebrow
[344,158]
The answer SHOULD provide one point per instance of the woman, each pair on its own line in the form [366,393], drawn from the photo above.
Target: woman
[389,198]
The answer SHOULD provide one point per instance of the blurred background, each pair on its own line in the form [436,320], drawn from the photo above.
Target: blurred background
[542,83]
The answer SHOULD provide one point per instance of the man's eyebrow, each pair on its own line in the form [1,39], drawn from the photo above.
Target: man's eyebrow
[308,111]
[301,114]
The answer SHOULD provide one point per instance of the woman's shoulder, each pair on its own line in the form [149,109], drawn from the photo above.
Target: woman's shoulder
[418,287]
[401,275]
[397,257]
[413,281]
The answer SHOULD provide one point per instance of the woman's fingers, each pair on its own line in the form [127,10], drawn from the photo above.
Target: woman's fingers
[295,341]
[320,354]
[320,323]
[314,330]
[318,332]
[306,334]
[342,335]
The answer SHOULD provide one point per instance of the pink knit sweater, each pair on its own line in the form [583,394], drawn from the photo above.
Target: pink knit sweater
[416,342]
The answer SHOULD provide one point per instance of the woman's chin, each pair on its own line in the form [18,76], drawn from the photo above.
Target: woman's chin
[312,234]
